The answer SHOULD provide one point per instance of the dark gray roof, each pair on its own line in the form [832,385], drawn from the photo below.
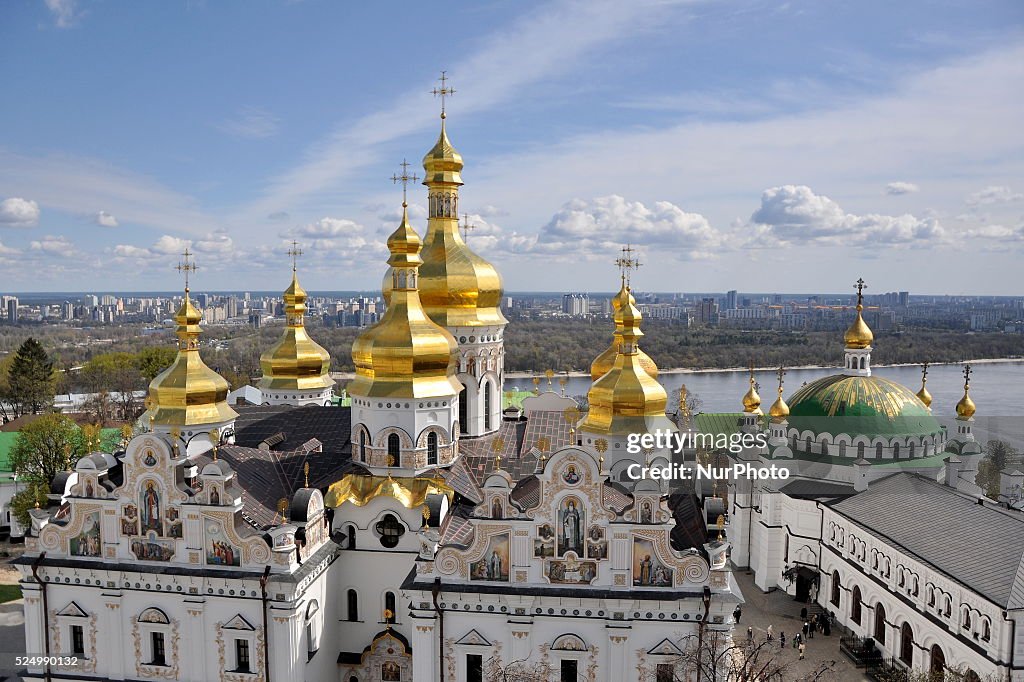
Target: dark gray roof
[942,527]
[330,425]
[817,490]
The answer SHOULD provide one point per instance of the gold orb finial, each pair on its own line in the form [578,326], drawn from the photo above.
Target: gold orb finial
[305,472]
[859,335]
[966,408]
[923,395]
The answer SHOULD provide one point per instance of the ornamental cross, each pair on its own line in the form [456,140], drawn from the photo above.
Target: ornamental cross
[405,179]
[924,373]
[466,227]
[860,286]
[294,254]
[967,375]
[627,262]
[781,372]
[444,91]
[186,266]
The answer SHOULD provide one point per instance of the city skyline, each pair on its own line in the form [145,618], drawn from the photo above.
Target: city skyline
[781,143]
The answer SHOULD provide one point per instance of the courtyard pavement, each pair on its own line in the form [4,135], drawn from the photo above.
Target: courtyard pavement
[782,612]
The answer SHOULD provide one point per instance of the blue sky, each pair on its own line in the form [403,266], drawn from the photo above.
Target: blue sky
[762,146]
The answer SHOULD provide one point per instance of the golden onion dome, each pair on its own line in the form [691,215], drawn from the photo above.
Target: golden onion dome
[966,408]
[296,362]
[779,410]
[188,393]
[924,396]
[859,334]
[627,399]
[751,399]
[405,355]
[603,363]
[458,288]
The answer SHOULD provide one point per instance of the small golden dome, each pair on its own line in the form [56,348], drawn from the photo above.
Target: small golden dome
[627,399]
[603,363]
[296,362]
[188,393]
[779,410]
[405,355]
[924,396]
[966,408]
[751,399]
[442,163]
[859,335]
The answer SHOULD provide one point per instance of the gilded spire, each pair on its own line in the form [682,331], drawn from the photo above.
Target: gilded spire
[296,362]
[779,411]
[606,360]
[188,393]
[923,395]
[859,335]
[966,408]
[405,355]
[751,399]
[627,399]
[458,288]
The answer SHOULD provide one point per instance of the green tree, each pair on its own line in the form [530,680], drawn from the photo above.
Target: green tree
[6,407]
[113,378]
[998,455]
[31,379]
[153,360]
[25,500]
[48,445]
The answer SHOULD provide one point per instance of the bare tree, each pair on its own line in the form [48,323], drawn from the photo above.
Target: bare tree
[523,670]
[717,658]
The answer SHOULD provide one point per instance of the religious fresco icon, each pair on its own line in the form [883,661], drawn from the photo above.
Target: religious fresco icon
[571,572]
[87,543]
[544,543]
[648,570]
[219,549]
[152,548]
[571,475]
[571,518]
[597,546]
[494,564]
[149,507]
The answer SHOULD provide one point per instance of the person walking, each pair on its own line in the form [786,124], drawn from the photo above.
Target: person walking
[736,614]
[782,640]
[768,632]
[803,647]
[750,634]
[796,640]
[806,628]
[813,626]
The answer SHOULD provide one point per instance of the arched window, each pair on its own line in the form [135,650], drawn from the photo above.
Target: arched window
[879,623]
[907,644]
[836,588]
[463,410]
[931,596]
[916,585]
[488,387]
[395,450]
[860,450]
[965,622]
[842,449]
[432,448]
[390,529]
[949,607]
[878,451]
[362,446]
[808,444]
[986,630]
[353,605]
[895,450]
[389,606]
[937,670]
[855,607]
[902,579]
[350,536]
[913,447]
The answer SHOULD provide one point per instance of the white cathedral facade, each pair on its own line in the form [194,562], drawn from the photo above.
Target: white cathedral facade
[425,534]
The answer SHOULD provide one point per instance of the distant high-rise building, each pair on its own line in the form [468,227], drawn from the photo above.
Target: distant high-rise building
[904,298]
[12,310]
[730,300]
[67,310]
[576,305]
[707,311]
[202,300]
[232,306]
[90,301]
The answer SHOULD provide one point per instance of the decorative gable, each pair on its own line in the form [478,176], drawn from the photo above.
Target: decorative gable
[73,610]
[473,638]
[665,648]
[238,623]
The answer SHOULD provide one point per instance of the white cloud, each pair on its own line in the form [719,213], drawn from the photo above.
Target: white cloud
[897,188]
[215,243]
[18,212]
[65,12]
[130,251]
[54,245]
[995,194]
[794,214]
[7,250]
[252,123]
[599,227]
[105,219]
[331,227]
[171,246]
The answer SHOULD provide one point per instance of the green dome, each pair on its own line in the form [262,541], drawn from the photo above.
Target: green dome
[859,405]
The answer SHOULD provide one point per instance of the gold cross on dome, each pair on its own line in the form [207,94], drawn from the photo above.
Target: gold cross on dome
[405,179]
[466,227]
[967,375]
[186,266]
[924,372]
[781,372]
[294,253]
[444,91]
[627,262]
